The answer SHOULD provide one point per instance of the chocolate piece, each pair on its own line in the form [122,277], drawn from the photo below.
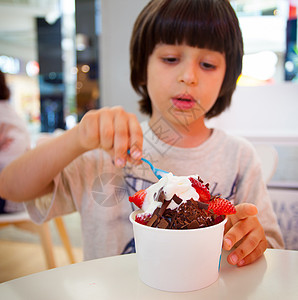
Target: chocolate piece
[161,196]
[156,222]
[194,224]
[202,205]
[177,199]
[163,208]
[156,212]
[152,220]
[163,224]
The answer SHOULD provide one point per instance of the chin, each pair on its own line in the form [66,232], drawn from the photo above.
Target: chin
[185,118]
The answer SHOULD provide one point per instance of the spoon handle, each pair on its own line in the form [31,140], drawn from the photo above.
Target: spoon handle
[157,172]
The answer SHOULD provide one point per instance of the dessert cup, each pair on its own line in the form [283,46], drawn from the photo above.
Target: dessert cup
[178,260]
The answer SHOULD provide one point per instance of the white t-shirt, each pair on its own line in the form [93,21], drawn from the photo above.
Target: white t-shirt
[92,185]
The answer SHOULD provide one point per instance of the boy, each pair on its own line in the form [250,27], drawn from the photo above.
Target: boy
[185,60]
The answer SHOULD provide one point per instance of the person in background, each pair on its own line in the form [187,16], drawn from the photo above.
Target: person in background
[185,58]
[14,139]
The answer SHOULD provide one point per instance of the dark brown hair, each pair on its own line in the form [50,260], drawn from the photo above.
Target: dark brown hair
[4,90]
[210,24]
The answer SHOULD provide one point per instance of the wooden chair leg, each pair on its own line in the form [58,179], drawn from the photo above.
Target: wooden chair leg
[46,241]
[64,238]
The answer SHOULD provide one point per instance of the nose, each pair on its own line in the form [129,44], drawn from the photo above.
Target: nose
[189,74]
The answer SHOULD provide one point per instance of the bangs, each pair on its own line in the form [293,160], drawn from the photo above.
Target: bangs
[195,23]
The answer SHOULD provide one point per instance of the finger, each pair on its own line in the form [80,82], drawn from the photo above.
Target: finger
[254,255]
[248,251]
[136,138]
[243,211]
[106,129]
[228,225]
[121,138]
[238,231]
[254,242]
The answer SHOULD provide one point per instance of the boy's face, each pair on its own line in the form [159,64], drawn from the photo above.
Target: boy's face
[183,82]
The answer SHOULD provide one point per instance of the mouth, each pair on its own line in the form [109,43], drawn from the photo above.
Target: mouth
[184,102]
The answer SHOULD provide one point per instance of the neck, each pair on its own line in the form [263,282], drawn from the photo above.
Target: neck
[179,135]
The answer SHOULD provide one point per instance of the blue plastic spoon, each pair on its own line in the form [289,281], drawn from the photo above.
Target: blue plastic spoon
[159,173]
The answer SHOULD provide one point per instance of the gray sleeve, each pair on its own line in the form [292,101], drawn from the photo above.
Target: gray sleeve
[71,187]
[49,206]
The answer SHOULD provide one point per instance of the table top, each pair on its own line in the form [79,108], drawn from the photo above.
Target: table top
[273,276]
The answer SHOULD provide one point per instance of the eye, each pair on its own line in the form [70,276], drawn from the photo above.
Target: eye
[207,66]
[170,60]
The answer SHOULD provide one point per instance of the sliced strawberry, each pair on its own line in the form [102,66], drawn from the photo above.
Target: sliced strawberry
[221,206]
[201,189]
[143,218]
[138,198]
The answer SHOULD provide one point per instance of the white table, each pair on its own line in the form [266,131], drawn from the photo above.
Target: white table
[274,276]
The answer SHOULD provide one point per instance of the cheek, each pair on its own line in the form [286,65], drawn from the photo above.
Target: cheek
[155,84]
[150,80]
[216,90]
[216,86]
[207,104]
[211,96]
[154,94]
[151,87]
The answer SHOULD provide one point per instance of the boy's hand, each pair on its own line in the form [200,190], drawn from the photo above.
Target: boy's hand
[113,130]
[244,230]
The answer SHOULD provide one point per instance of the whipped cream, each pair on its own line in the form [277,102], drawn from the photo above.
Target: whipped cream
[170,185]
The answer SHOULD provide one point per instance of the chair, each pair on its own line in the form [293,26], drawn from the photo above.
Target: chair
[22,221]
[269,159]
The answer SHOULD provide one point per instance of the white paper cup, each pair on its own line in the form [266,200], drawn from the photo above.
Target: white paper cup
[178,260]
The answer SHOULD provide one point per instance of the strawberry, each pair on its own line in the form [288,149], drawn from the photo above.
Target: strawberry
[221,206]
[201,189]
[142,218]
[138,198]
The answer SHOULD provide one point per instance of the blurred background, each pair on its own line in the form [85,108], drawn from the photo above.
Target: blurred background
[65,57]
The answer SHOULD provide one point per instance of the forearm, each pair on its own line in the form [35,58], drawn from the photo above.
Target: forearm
[32,174]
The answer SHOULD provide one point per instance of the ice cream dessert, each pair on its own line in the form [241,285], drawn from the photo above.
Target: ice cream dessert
[180,202]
